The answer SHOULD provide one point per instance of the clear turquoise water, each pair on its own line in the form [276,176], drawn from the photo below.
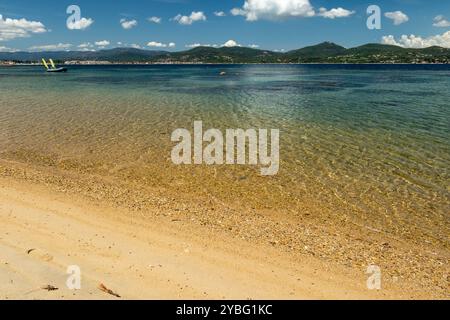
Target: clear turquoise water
[368,143]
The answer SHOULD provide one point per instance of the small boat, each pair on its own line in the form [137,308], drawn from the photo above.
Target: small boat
[53,68]
[57,70]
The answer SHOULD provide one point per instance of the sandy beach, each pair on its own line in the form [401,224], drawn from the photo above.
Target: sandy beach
[88,179]
[44,230]
[158,260]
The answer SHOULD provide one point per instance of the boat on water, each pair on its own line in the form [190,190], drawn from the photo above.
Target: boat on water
[53,67]
[57,70]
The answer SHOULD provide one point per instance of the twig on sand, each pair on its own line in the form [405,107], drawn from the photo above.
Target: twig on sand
[49,288]
[46,288]
[102,287]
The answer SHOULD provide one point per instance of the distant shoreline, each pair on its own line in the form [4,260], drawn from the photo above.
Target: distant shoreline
[326,52]
[222,64]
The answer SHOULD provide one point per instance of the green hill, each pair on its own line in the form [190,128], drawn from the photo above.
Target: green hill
[221,55]
[326,52]
[317,53]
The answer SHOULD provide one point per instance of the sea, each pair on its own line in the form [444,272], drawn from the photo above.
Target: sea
[369,144]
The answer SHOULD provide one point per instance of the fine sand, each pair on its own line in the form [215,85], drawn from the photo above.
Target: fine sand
[43,232]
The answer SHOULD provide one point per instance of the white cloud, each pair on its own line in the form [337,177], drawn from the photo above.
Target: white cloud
[128,24]
[85,45]
[238,12]
[254,10]
[397,16]
[441,22]
[52,47]
[155,20]
[6,49]
[228,44]
[390,40]
[219,14]
[81,24]
[188,20]
[19,28]
[335,13]
[155,44]
[231,44]
[102,43]
[196,45]
[413,41]
[126,45]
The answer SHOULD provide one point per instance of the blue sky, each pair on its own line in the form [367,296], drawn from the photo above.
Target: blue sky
[269,24]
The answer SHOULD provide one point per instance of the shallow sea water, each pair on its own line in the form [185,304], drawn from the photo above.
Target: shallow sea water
[369,144]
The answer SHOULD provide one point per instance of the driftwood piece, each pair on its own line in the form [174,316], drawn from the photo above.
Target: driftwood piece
[103,288]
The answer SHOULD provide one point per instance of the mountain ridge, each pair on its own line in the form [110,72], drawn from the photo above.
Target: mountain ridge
[325,52]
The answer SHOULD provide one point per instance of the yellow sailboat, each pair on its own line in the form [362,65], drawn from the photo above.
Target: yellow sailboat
[53,66]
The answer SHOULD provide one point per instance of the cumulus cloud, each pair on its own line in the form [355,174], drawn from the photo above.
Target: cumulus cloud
[196,45]
[128,24]
[126,45]
[102,43]
[188,20]
[19,28]
[155,44]
[397,17]
[81,24]
[86,46]
[155,20]
[335,13]
[52,47]
[231,44]
[254,10]
[6,49]
[390,40]
[228,44]
[413,41]
[219,14]
[238,12]
[441,22]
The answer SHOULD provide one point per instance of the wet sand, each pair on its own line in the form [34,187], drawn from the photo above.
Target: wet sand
[187,249]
